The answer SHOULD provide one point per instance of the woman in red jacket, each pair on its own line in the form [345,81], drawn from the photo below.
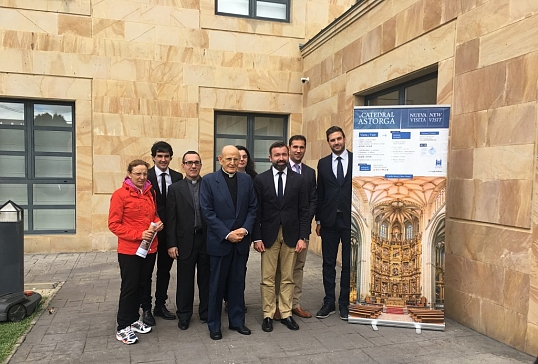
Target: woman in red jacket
[132,210]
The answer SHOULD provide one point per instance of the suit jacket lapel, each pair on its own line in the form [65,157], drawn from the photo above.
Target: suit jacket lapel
[152,176]
[241,186]
[185,191]
[174,175]
[225,192]
[349,164]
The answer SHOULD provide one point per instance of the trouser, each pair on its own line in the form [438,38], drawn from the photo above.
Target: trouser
[164,264]
[197,262]
[135,278]
[278,252]
[227,276]
[330,240]
[298,271]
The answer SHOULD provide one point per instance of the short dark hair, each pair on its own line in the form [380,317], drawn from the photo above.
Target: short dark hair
[334,129]
[161,146]
[190,152]
[278,144]
[136,163]
[297,137]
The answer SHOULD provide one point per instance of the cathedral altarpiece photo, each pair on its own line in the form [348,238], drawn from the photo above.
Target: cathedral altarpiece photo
[398,246]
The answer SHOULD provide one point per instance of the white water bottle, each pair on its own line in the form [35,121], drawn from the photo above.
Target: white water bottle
[145,245]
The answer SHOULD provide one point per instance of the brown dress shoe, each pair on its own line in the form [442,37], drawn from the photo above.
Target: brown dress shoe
[277,315]
[301,313]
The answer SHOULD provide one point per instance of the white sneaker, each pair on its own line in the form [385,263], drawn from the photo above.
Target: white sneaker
[140,327]
[127,336]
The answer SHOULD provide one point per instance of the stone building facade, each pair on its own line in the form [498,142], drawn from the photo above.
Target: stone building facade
[485,54]
[139,71]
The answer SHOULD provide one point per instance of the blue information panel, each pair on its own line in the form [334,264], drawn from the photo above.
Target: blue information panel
[397,140]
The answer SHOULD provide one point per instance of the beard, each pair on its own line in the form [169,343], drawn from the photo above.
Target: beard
[279,166]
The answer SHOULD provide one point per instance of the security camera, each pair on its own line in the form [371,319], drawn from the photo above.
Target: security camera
[305,79]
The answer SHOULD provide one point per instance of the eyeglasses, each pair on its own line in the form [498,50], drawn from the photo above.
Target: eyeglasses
[192,163]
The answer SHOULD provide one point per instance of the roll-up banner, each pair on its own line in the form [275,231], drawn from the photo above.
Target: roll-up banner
[398,216]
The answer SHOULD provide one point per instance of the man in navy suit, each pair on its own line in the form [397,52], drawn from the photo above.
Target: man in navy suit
[333,219]
[282,226]
[161,177]
[228,203]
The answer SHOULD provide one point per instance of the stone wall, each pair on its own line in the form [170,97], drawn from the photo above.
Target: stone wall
[486,55]
[142,71]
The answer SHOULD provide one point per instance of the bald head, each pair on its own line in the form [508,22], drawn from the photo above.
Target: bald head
[229,158]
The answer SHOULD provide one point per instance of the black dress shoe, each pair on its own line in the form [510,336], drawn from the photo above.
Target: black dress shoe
[204,320]
[326,310]
[243,330]
[267,324]
[344,312]
[183,324]
[290,323]
[215,335]
[163,312]
[147,318]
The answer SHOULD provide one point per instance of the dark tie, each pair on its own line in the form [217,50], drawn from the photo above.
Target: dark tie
[340,172]
[280,193]
[163,185]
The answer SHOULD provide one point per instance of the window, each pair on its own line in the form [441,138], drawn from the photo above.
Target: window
[409,232]
[420,91]
[37,160]
[258,9]
[256,132]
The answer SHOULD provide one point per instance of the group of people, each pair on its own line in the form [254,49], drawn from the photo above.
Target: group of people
[209,224]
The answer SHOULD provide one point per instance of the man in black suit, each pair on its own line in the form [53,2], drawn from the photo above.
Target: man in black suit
[297,145]
[160,177]
[333,218]
[228,204]
[281,228]
[186,240]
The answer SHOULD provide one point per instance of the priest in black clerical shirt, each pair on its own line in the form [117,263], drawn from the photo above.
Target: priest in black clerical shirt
[228,203]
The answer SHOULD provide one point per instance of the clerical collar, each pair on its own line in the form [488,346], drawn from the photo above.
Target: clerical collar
[229,175]
[195,181]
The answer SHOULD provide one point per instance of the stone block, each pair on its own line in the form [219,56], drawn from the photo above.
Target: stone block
[516,291]
[461,164]
[467,55]
[473,24]
[469,130]
[78,25]
[486,84]
[518,38]
[504,162]
[490,244]
[522,79]
[515,202]
[372,43]
[515,124]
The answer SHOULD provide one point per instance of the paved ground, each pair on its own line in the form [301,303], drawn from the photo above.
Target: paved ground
[82,327]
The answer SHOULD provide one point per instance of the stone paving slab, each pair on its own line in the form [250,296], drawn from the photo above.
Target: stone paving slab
[82,327]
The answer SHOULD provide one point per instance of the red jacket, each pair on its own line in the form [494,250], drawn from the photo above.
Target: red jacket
[132,212]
